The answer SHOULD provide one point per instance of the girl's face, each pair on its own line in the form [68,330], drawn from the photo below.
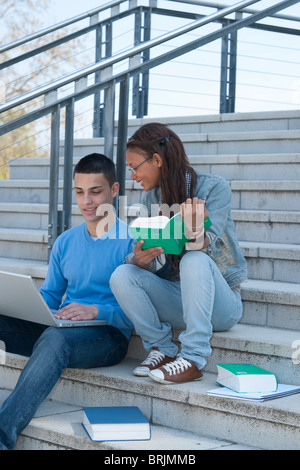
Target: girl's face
[146,170]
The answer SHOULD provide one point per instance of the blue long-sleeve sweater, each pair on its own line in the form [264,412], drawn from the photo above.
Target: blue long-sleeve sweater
[80,268]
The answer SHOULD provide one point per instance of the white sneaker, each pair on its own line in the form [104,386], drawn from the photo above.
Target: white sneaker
[153,361]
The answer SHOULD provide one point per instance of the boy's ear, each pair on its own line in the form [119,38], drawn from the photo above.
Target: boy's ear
[115,189]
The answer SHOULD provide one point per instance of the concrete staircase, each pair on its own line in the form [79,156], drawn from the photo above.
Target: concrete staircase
[258,153]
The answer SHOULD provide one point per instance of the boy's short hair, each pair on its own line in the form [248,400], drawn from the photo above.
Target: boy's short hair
[97,163]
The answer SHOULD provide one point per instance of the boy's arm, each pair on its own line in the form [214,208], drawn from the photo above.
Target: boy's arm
[114,316]
[55,285]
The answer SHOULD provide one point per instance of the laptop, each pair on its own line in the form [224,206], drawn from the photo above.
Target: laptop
[20,298]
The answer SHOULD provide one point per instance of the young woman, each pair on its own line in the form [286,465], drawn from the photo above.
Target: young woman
[198,291]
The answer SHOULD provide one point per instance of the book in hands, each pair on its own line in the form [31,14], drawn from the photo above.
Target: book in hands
[160,231]
[246,378]
[116,423]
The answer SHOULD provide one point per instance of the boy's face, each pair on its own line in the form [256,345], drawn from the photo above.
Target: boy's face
[91,191]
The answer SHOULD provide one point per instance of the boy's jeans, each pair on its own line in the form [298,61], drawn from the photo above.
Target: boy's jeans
[54,349]
[200,303]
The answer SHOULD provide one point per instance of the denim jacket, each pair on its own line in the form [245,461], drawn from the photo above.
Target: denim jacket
[224,247]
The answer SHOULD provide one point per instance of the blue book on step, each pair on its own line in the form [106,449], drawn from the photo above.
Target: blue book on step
[116,423]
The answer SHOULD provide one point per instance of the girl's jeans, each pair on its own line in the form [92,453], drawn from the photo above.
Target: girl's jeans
[53,350]
[200,303]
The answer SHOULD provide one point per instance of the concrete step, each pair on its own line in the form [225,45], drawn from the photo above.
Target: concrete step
[24,226]
[266,195]
[24,244]
[271,226]
[228,143]
[272,261]
[255,225]
[267,303]
[246,194]
[57,426]
[184,407]
[36,269]
[271,303]
[229,122]
[269,261]
[32,191]
[36,191]
[274,349]
[275,166]
[28,215]
[252,194]
[216,143]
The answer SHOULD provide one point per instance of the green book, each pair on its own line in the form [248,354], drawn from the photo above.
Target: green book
[246,378]
[163,232]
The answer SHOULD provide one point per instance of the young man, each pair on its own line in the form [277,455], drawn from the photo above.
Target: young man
[82,261]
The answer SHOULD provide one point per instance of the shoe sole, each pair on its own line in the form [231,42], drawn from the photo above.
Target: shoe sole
[138,373]
[169,382]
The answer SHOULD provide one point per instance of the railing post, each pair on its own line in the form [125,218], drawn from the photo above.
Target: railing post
[121,146]
[122,133]
[68,166]
[109,121]
[53,230]
[103,38]
[97,123]
[140,93]
[228,71]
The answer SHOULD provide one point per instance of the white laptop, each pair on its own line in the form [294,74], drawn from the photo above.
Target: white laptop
[20,298]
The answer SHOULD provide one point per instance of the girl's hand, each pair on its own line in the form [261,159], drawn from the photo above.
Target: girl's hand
[193,213]
[143,258]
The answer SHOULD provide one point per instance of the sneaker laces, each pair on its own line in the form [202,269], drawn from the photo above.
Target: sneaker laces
[154,358]
[179,365]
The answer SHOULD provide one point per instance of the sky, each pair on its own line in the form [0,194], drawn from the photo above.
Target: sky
[268,68]
[198,91]
[63,9]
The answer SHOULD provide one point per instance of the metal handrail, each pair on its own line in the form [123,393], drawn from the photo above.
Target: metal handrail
[244,10]
[111,4]
[60,25]
[123,55]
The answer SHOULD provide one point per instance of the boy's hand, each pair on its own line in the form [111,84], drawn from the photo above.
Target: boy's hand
[143,258]
[77,312]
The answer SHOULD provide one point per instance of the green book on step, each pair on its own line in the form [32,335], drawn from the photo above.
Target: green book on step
[162,232]
[246,378]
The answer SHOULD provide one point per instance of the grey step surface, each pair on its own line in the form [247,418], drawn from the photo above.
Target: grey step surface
[274,166]
[266,302]
[270,348]
[185,407]
[217,143]
[270,226]
[228,122]
[58,426]
[265,261]
[31,215]
[260,195]
[252,226]
[272,261]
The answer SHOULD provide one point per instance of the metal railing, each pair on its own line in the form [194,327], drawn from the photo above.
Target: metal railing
[139,64]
